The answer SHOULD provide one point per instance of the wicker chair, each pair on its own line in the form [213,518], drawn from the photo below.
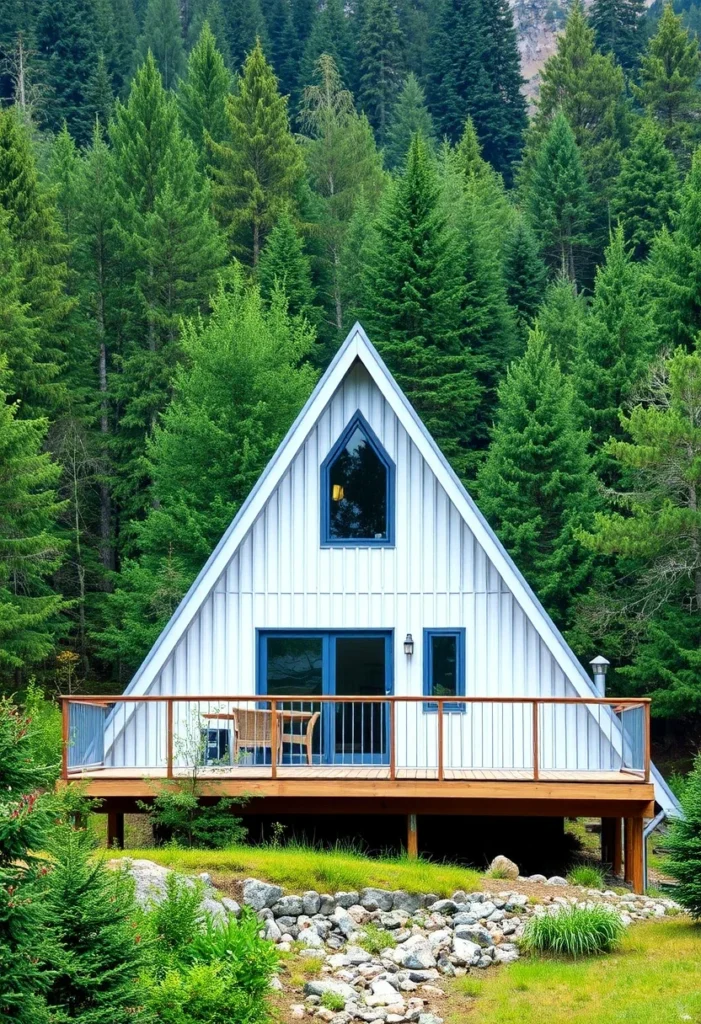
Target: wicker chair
[254,729]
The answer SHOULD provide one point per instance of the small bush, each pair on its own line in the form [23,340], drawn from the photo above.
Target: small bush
[374,939]
[574,932]
[177,813]
[586,875]
[332,1001]
[173,923]
[683,845]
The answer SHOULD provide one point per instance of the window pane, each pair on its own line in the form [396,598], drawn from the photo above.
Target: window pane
[294,666]
[358,491]
[360,672]
[444,666]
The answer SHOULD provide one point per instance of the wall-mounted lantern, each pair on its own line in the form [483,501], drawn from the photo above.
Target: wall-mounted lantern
[599,667]
[409,644]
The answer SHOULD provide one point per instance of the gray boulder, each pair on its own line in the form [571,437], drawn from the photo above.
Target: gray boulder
[465,951]
[327,904]
[259,894]
[343,921]
[346,899]
[415,953]
[376,899]
[231,906]
[474,933]
[502,867]
[556,880]
[443,907]
[310,937]
[288,906]
[311,902]
[317,987]
[409,902]
[465,917]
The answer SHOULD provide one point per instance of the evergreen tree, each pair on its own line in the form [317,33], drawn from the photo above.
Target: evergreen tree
[331,35]
[304,13]
[283,44]
[25,816]
[343,163]
[381,64]
[619,29]
[524,273]
[99,94]
[210,11]
[170,253]
[645,194]
[416,290]
[589,89]
[475,71]
[36,239]
[245,24]
[258,169]
[125,30]
[202,94]
[669,73]
[67,46]
[675,269]
[615,347]
[162,36]
[561,320]
[484,185]
[536,486]
[683,844]
[284,265]
[29,547]
[19,344]
[243,382]
[559,201]
[410,115]
[93,916]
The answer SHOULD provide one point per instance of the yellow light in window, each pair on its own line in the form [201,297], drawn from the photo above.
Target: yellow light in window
[337,493]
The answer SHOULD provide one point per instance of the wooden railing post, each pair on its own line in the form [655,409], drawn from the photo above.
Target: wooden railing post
[169,737]
[646,741]
[441,769]
[273,739]
[65,722]
[536,742]
[392,751]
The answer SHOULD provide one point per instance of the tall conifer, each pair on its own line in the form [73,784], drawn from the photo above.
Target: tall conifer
[619,27]
[331,34]
[381,64]
[284,265]
[410,115]
[245,23]
[202,93]
[524,273]
[561,320]
[163,37]
[66,35]
[645,194]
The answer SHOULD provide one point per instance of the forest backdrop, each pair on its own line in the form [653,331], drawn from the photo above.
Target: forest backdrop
[197,200]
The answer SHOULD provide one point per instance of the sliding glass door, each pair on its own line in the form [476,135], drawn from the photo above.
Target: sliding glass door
[349,665]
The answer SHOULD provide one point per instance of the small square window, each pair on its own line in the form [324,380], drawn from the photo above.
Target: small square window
[444,667]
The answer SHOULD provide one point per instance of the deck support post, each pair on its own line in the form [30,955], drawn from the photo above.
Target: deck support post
[611,844]
[633,842]
[412,837]
[115,830]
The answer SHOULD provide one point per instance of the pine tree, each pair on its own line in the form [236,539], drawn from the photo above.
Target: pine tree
[559,201]
[99,94]
[619,29]
[162,36]
[416,290]
[36,239]
[210,11]
[125,32]
[536,486]
[284,265]
[283,45]
[30,550]
[19,344]
[615,347]
[381,64]
[257,172]
[645,195]
[67,45]
[331,35]
[589,89]
[675,269]
[561,320]
[669,73]
[24,935]
[484,185]
[93,916]
[242,384]
[304,14]
[343,163]
[202,94]
[410,115]
[245,24]
[524,273]
[475,71]
[683,844]
[170,253]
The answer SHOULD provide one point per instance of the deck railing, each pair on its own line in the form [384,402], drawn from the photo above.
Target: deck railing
[441,738]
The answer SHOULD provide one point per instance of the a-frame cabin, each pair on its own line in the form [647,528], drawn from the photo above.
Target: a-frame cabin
[360,641]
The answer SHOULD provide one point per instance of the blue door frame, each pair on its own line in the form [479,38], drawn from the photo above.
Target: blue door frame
[328,637]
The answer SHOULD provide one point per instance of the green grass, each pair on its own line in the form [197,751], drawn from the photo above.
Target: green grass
[332,1001]
[375,939]
[655,976]
[303,867]
[586,875]
[574,931]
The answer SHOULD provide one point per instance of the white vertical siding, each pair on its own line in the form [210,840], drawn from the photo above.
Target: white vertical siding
[437,575]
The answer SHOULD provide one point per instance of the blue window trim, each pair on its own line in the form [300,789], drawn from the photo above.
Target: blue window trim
[357,420]
[328,674]
[459,633]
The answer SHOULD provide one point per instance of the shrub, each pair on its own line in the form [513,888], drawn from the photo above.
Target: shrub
[177,811]
[375,939]
[250,961]
[683,845]
[332,1001]
[173,923]
[202,993]
[46,729]
[574,931]
[586,875]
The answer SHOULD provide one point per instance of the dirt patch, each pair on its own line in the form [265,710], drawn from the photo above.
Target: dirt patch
[230,885]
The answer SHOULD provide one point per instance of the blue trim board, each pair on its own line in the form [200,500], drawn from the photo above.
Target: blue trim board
[357,420]
[459,633]
[328,682]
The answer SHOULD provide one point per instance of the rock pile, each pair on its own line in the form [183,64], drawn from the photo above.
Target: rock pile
[425,938]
